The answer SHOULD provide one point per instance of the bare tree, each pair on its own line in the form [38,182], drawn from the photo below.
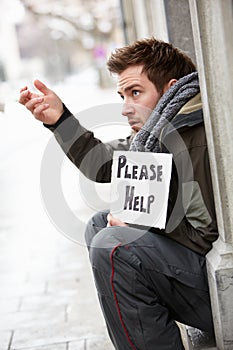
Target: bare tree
[74,31]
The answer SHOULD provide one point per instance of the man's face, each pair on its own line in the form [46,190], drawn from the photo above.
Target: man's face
[139,94]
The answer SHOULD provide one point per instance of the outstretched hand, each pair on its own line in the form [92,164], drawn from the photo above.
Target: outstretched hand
[46,106]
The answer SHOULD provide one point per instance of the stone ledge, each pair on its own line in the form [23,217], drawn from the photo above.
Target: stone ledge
[195,339]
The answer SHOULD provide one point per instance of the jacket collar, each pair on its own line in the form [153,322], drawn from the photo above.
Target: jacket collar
[192,105]
[189,115]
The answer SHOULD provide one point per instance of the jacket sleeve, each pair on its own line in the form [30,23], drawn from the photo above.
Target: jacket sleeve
[92,157]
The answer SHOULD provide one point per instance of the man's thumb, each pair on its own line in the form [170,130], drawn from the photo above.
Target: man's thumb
[41,87]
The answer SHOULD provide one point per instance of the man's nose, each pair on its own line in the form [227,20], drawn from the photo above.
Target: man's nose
[128,109]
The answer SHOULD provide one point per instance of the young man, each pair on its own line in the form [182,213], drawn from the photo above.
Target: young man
[147,278]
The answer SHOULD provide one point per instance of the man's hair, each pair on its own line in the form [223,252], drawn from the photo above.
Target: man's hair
[161,61]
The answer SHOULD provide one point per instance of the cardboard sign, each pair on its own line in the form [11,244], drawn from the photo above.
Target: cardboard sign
[140,187]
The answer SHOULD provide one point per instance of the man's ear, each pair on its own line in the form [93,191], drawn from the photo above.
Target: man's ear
[169,84]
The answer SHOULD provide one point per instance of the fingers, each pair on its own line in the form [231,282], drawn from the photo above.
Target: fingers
[39,112]
[32,103]
[41,87]
[23,89]
[109,217]
[24,95]
[37,107]
[113,221]
[45,105]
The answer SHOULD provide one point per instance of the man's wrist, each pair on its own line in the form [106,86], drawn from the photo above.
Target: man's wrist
[65,115]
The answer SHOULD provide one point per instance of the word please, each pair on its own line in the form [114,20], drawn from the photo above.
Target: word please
[136,172]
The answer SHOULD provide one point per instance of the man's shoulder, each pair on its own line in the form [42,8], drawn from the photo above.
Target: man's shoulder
[186,131]
[121,144]
[183,122]
[188,120]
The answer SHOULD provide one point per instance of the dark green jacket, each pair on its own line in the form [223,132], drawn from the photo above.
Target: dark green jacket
[191,218]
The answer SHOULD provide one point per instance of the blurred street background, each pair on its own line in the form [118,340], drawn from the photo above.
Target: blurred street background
[47,294]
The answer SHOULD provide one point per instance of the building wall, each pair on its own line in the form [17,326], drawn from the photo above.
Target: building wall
[179,25]
[168,20]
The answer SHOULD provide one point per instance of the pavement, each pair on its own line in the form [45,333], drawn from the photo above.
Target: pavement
[47,296]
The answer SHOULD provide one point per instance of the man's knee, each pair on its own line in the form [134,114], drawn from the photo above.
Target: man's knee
[96,223]
[108,241]
[105,243]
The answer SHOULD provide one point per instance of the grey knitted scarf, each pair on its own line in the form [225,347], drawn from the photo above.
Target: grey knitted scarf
[147,139]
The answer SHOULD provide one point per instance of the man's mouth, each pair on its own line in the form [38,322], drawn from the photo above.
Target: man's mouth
[134,125]
[132,122]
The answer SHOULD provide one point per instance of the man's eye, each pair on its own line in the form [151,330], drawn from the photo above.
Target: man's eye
[135,92]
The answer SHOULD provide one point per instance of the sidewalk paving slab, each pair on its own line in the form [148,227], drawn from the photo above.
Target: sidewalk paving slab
[98,344]
[60,333]
[62,346]
[5,340]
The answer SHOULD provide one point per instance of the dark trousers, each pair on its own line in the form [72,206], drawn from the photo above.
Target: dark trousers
[145,283]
